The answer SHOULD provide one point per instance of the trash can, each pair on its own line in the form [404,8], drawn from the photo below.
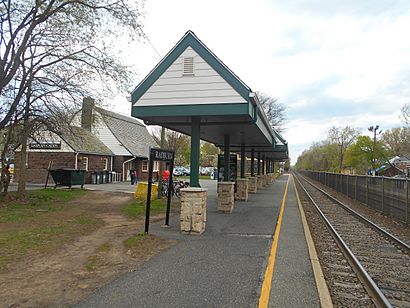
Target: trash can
[106,176]
[93,177]
[99,177]
[68,177]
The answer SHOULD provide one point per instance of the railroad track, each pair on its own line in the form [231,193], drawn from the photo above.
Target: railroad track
[380,261]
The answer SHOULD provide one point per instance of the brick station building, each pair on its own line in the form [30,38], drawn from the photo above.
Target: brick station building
[98,140]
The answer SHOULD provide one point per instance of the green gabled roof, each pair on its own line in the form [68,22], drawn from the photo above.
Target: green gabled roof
[191,40]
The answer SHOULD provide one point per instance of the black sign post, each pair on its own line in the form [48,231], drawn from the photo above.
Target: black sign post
[159,155]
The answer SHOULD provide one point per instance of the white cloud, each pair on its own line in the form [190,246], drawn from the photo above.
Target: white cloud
[331,62]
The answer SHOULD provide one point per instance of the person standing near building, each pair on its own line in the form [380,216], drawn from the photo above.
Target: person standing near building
[135,177]
[132,175]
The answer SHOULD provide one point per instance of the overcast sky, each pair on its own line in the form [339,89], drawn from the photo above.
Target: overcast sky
[329,62]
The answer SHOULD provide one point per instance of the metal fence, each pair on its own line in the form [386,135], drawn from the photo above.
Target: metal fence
[387,195]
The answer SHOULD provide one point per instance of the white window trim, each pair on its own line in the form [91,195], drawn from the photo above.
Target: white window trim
[85,162]
[156,166]
[144,166]
[105,163]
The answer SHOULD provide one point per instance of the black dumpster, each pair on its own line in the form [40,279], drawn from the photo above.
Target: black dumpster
[68,177]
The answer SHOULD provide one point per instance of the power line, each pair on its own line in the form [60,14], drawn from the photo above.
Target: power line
[152,45]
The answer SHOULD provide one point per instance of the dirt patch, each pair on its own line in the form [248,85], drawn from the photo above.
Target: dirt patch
[75,269]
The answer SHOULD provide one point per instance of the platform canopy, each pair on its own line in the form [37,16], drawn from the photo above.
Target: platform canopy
[193,92]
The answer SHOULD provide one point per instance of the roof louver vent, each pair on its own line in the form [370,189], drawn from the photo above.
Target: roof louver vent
[188,66]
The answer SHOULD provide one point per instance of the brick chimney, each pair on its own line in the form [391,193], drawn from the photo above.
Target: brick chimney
[87,113]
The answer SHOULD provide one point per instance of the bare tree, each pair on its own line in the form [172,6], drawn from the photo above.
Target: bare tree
[275,111]
[405,112]
[397,141]
[53,52]
[178,142]
[61,39]
[343,137]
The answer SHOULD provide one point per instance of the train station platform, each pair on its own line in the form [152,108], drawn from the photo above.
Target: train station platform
[226,266]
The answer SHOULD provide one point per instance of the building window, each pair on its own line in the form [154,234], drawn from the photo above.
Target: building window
[188,66]
[105,163]
[85,163]
[144,165]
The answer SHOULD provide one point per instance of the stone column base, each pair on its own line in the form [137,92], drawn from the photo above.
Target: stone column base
[242,189]
[260,181]
[266,179]
[226,191]
[193,210]
[252,184]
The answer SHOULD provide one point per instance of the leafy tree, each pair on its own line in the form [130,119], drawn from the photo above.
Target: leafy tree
[286,165]
[275,111]
[318,157]
[359,155]
[343,137]
[209,154]
[178,142]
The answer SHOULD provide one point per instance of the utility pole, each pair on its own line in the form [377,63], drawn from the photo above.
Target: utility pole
[374,129]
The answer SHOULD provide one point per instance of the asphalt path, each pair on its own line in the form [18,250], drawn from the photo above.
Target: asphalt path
[223,267]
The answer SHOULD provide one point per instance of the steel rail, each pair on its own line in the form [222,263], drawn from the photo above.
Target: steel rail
[371,287]
[395,239]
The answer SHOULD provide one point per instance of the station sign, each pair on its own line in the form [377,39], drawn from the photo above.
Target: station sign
[45,145]
[156,154]
[161,154]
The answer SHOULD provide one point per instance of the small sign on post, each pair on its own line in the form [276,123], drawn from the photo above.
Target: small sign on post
[156,154]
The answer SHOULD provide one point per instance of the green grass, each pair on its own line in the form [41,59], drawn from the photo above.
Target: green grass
[31,223]
[106,247]
[96,260]
[15,208]
[136,208]
[92,263]
[85,220]
[131,241]
[14,243]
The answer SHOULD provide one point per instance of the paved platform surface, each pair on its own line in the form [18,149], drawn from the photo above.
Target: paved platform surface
[223,267]
[293,283]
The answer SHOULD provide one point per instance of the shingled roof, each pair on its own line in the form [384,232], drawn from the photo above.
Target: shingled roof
[132,134]
[83,141]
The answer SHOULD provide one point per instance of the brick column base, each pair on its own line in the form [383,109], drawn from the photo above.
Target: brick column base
[242,189]
[193,210]
[252,184]
[226,197]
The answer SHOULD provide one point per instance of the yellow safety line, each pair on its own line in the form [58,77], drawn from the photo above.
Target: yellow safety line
[267,281]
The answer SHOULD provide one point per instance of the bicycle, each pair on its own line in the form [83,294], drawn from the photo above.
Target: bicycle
[176,188]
